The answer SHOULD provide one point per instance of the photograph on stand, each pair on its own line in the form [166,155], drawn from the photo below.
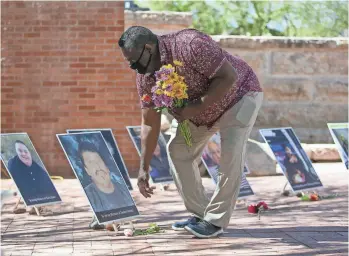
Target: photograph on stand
[114,150]
[100,177]
[339,133]
[27,170]
[159,165]
[211,157]
[290,155]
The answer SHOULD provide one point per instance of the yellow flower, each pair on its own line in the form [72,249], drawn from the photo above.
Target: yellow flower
[183,85]
[167,93]
[178,63]
[158,91]
[168,66]
[181,95]
[174,76]
[166,84]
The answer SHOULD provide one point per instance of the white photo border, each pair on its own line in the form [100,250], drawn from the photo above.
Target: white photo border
[116,144]
[139,152]
[44,167]
[108,222]
[283,172]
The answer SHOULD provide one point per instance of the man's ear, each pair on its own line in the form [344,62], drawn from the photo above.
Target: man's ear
[149,48]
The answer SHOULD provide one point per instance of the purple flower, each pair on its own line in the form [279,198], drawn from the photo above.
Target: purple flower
[158,75]
[163,73]
[154,88]
[162,100]
[167,101]
[157,101]
[169,88]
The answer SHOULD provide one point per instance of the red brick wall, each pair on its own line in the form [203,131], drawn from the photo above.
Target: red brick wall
[62,69]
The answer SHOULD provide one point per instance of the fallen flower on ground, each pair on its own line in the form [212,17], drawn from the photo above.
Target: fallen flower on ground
[257,208]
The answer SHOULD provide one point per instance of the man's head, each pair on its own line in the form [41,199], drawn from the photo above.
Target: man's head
[94,164]
[140,48]
[287,150]
[23,153]
[215,151]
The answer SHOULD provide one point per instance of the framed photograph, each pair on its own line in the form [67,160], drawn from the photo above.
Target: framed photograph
[245,188]
[246,169]
[114,150]
[339,133]
[159,165]
[211,157]
[292,158]
[27,170]
[99,176]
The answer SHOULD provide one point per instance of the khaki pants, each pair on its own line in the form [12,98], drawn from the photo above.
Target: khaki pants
[235,127]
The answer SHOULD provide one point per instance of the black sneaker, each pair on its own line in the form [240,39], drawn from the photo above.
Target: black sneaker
[181,224]
[204,229]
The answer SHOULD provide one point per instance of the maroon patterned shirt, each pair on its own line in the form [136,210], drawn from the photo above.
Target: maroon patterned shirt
[201,57]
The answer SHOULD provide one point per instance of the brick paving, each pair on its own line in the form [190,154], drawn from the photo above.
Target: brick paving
[291,228]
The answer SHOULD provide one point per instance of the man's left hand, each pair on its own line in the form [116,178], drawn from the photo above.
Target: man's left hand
[191,110]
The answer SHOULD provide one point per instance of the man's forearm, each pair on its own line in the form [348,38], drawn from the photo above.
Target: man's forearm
[219,87]
[149,140]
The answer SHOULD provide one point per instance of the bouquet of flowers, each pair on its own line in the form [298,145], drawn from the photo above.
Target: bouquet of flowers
[169,92]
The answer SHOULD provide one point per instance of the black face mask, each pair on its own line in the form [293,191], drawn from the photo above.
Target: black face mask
[137,66]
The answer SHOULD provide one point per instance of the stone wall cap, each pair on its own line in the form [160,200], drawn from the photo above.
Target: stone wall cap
[151,17]
[227,41]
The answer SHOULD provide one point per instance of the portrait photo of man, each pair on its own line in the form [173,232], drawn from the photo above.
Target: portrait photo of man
[99,175]
[159,169]
[294,167]
[211,157]
[103,193]
[114,150]
[292,158]
[339,133]
[30,177]
[159,165]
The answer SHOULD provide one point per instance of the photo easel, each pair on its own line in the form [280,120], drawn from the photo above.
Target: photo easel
[301,193]
[164,186]
[18,202]
[242,201]
[117,225]
[37,210]
[284,191]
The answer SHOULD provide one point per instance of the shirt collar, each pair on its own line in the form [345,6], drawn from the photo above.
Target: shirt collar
[162,50]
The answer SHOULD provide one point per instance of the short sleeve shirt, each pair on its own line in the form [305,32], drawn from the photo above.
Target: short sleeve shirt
[201,57]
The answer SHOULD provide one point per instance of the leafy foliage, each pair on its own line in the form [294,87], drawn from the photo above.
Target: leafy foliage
[257,18]
[153,228]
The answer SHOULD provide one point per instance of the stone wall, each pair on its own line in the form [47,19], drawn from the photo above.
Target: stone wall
[159,22]
[305,81]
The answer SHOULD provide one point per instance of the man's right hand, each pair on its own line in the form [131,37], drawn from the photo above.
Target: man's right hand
[143,184]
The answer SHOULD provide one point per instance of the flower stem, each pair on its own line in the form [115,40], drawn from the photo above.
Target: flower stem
[185,131]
